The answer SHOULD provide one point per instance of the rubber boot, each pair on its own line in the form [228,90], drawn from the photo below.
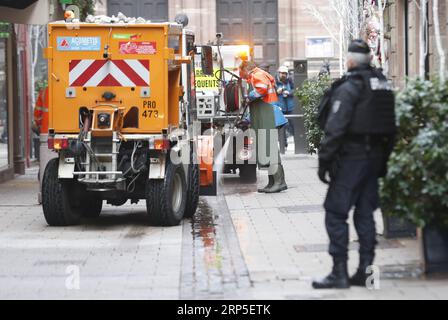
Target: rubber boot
[360,277]
[269,185]
[279,181]
[337,279]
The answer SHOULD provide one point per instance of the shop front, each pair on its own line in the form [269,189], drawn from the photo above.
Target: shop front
[6,170]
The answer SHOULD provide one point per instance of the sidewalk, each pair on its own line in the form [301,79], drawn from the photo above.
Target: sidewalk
[284,243]
[118,256]
[239,245]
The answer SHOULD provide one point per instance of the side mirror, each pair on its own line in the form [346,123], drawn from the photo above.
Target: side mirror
[207,60]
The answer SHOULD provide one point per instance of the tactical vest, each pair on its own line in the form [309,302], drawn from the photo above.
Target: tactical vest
[374,113]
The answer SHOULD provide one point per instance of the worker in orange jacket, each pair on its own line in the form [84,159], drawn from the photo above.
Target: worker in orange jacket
[260,98]
[40,125]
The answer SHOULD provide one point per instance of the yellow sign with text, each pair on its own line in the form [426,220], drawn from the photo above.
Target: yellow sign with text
[204,82]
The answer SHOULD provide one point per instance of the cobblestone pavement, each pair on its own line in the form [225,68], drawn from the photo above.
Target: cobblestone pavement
[239,245]
[118,256]
[284,243]
[213,266]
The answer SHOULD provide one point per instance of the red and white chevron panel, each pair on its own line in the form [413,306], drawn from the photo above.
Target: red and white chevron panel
[109,73]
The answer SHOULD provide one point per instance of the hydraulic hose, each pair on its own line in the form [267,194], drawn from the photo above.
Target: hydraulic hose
[231,96]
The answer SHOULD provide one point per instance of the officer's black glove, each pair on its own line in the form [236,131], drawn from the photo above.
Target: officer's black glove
[324,168]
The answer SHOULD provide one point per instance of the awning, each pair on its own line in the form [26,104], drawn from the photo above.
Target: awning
[22,4]
[30,11]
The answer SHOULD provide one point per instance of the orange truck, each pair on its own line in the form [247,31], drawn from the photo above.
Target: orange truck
[121,111]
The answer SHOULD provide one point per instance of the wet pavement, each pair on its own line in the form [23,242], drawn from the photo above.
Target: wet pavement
[117,256]
[239,245]
[284,243]
[212,264]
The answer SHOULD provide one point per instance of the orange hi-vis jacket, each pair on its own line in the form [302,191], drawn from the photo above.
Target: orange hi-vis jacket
[263,84]
[41,111]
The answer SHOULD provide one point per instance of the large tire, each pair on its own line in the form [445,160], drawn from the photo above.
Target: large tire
[193,190]
[166,199]
[248,173]
[57,206]
[91,207]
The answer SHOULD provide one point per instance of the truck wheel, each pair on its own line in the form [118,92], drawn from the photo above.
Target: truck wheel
[57,205]
[193,190]
[248,173]
[91,207]
[166,199]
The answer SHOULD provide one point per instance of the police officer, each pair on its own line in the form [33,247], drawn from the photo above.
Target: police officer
[285,94]
[359,136]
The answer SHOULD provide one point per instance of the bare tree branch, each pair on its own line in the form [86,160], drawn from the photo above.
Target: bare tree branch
[313,11]
[423,38]
[438,41]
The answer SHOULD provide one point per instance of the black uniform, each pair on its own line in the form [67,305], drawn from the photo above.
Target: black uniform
[358,140]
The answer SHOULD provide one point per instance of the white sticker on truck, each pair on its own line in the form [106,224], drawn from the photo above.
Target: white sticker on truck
[79,43]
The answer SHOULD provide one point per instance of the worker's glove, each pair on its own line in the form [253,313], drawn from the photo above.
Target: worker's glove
[253,96]
[246,100]
[243,124]
[279,90]
[286,93]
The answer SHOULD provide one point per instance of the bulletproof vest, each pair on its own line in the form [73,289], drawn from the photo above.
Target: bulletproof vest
[374,114]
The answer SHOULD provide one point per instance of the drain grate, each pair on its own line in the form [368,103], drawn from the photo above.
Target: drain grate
[403,271]
[59,262]
[323,247]
[310,208]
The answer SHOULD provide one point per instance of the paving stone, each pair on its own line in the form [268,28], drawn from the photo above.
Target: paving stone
[240,245]
[291,243]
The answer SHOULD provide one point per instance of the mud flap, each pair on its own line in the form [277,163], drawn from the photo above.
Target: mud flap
[208,177]
[157,167]
[211,189]
[66,167]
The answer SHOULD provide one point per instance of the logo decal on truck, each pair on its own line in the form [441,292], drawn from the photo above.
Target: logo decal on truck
[79,43]
[125,36]
[137,47]
[109,73]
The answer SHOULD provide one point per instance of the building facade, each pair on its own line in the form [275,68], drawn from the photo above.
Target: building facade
[15,103]
[16,85]
[280,31]
[6,151]
[403,32]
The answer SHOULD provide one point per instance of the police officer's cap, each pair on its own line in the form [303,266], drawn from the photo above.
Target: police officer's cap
[359,46]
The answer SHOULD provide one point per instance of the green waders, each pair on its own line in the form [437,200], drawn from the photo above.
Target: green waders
[268,156]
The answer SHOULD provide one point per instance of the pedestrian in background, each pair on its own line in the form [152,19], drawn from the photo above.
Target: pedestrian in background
[359,137]
[324,69]
[285,93]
